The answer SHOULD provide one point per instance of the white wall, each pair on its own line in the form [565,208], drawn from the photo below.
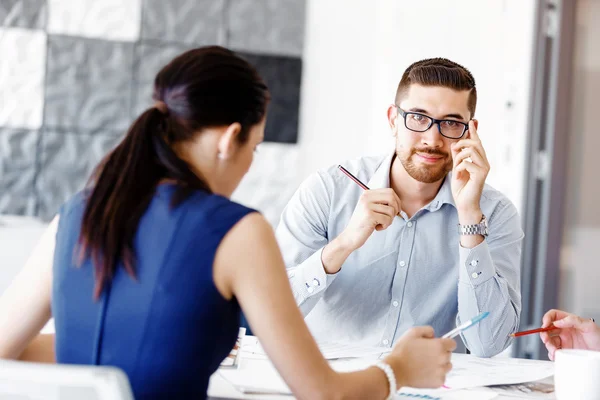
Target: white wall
[356,51]
[580,271]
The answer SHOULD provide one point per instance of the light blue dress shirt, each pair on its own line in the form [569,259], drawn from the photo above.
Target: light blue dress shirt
[413,273]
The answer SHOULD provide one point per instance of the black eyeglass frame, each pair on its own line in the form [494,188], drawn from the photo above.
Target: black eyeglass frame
[431,122]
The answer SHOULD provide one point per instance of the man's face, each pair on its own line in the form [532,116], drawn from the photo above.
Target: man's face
[426,156]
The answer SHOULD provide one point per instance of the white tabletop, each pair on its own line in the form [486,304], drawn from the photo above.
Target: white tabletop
[221,389]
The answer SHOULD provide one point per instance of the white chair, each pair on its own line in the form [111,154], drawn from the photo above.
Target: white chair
[33,381]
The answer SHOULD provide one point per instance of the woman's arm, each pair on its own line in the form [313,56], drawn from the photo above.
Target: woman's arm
[25,305]
[249,266]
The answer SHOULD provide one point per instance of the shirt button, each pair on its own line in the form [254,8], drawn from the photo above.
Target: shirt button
[410,224]
[402,263]
[310,289]
[474,263]
[474,275]
[395,304]
[386,342]
[316,282]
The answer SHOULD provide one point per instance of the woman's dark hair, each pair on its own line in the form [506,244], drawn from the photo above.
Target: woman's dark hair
[201,88]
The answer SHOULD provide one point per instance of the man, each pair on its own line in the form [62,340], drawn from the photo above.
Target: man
[365,265]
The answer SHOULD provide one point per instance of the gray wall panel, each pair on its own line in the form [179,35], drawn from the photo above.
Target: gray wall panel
[266,26]
[196,22]
[88,83]
[67,162]
[24,13]
[17,167]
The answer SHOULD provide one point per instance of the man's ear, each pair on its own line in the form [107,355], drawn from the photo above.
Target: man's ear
[392,114]
[227,141]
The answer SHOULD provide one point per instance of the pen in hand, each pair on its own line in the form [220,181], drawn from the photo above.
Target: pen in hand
[530,332]
[359,183]
[457,331]
[355,179]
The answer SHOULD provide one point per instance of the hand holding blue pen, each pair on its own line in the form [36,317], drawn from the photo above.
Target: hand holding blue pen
[456,331]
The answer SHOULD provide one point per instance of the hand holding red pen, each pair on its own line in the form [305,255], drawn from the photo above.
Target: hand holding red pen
[572,332]
[375,211]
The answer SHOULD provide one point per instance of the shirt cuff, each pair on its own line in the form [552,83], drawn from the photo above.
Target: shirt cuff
[312,276]
[476,265]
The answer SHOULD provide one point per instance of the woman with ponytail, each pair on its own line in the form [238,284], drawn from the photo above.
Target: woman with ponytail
[153,261]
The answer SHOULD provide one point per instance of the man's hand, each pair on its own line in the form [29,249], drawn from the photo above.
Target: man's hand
[375,210]
[470,169]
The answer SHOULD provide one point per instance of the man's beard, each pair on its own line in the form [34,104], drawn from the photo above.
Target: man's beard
[426,173]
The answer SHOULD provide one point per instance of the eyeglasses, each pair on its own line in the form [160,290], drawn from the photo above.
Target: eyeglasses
[418,122]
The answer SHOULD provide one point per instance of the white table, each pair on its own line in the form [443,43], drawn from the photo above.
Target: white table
[220,389]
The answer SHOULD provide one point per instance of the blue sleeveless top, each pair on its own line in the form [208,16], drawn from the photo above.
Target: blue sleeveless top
[168,329]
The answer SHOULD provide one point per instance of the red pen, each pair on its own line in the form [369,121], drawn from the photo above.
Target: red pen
[355,179]
[548,328]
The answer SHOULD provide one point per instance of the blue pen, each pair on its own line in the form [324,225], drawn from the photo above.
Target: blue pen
[456,331]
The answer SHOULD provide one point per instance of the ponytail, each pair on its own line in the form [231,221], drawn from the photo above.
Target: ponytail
[122,188]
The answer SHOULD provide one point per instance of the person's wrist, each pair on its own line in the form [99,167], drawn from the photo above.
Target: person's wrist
[344,242]
[396,367]
[390,375]
[469,215]
[337,249]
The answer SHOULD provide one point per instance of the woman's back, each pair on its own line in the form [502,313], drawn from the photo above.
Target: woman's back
[170,328]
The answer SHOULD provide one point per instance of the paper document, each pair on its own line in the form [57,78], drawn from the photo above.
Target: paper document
[470,372]
[255,377]
[543,389]
[251,348]
[261,377]
[444,394]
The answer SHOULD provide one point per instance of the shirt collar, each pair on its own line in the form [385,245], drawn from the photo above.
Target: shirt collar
[381,179]
[444,195]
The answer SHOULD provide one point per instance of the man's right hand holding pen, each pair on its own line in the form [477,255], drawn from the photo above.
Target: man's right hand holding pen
[375,211]
[572,332]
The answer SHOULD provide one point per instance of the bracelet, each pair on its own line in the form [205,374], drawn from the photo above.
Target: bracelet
[385,367]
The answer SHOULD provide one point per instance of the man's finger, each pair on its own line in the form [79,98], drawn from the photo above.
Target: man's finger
[384,196]
[473,155]
[385,211]
[473,130]
[471,168]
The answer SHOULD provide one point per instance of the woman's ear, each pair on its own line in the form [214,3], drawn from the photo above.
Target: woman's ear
[228,142]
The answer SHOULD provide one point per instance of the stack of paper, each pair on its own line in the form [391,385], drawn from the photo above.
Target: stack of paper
[251,348]
[469,372]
